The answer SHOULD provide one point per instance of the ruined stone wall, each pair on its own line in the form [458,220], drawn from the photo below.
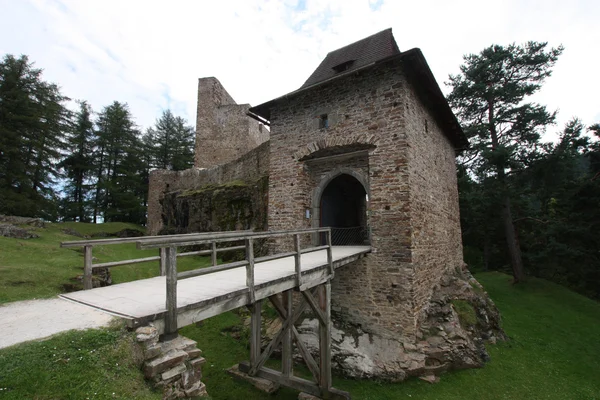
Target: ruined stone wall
[234,205]
[223,130]
[435,221]
[249,168]
[376,292]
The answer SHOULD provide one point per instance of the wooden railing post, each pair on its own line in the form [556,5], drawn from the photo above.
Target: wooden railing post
[297,259]
[87,268]
[163,261]
[250,268]
[213,254]
[329,254]
[171,301]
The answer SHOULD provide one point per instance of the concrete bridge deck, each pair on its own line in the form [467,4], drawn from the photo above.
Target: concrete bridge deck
[143,301]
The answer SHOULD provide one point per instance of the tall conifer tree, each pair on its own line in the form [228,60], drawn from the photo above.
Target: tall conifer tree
[489,96]
[172,142]
[33,121]
[78,165]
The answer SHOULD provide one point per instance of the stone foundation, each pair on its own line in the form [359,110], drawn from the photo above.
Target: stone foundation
[455,325]
[174,366]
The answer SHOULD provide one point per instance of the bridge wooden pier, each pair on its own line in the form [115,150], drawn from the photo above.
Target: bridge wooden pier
[177,299]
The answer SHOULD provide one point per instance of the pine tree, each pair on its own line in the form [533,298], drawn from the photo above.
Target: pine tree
[33,122]
[78,165]
[172,142]
[488,96]
[119,189]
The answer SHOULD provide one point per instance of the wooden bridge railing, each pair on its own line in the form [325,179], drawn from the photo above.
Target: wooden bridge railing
[88,245]
[169,245]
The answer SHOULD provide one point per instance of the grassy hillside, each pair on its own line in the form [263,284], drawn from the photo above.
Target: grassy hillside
[94,364]
[553,353]
[39,268]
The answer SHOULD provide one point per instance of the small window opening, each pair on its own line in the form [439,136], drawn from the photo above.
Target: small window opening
[323,121]
[343,66]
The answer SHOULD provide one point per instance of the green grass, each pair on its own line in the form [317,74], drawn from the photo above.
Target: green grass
[93,364]
[553,352]
[39,268]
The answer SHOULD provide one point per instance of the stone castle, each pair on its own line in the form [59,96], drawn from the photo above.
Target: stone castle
[367,146]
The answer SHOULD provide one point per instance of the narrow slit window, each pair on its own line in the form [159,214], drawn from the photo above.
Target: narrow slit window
[323,121]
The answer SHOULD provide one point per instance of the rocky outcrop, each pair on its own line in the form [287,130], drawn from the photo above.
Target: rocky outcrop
[15,232]
[459,319]
[14,220]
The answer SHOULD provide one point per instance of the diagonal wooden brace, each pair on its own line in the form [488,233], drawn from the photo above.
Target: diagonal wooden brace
[308,358]
[286,326]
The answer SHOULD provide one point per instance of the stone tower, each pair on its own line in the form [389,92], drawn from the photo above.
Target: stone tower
[371,123]
[223,130]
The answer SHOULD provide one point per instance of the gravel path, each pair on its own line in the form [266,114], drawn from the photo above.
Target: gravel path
[36,319]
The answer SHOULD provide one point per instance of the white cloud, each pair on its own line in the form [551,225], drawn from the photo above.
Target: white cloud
[151,53]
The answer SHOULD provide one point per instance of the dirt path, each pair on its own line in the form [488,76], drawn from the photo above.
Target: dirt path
[36,319]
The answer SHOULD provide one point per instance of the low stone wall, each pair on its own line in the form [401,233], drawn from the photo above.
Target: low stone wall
[249,168]
[235,205]
[174,366]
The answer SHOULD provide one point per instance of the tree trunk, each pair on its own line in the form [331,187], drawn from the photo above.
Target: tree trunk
[98,184]
[486,252]
[514,249]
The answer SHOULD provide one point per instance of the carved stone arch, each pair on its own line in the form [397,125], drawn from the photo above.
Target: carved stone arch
[333,145]
[318,191]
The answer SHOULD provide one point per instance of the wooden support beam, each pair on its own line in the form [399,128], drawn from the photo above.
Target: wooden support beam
[325,337]
[314,306]
[255,333]
[294,382]
[287,364]
[171,303]
[285,327]
[87,268]
[308,358]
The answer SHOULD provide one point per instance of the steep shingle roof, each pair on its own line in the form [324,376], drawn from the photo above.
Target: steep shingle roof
[378,50]
[354,56]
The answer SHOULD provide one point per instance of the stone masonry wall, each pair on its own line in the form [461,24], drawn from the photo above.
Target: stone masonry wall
[223,130]
[377,291]
[435,222]
[250,168]
[235,205]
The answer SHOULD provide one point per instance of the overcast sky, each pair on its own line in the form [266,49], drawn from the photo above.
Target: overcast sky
[151,53]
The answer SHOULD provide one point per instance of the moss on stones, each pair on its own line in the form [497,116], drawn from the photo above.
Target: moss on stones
[466,312]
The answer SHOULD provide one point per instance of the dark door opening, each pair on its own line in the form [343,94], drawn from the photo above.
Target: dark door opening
[344,209]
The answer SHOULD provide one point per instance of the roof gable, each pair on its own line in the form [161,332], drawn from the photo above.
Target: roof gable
[375,54]
[354,56]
